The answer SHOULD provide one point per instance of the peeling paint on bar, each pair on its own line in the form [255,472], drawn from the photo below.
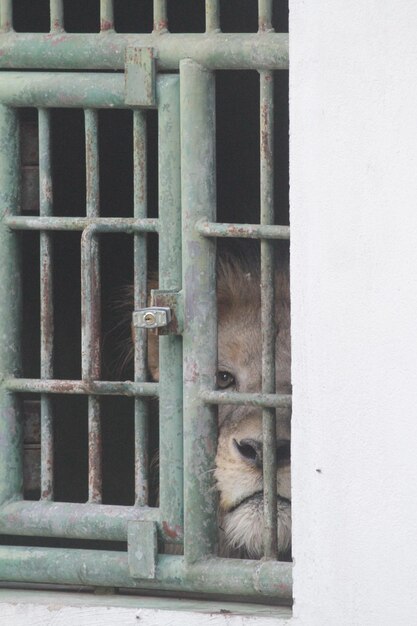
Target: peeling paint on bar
[82,387]
[6,15]
[160,17]
[265,16]
[57,16]
[244,231]
[47,303]
[215,51]
[109,569]
[106,16]
[102,224]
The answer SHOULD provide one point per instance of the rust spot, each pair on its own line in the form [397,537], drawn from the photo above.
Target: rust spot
[106,25]
[264,25]
[160,26]
[173,532]
[56,25]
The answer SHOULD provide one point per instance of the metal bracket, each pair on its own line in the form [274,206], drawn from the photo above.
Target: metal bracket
[164,316]
[140,77]
[142,549]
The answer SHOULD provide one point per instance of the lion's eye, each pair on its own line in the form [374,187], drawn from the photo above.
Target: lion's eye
[225,379]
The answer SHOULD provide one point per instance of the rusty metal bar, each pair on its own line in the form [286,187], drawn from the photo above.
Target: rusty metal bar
[81,387]
[171,477]
[102,224]
[11,470]
[106,16]
[140,295]
[160,17]
[268,315]
[47,304]
[212,16]
[71,520]
[6,15]
[200,316]
[215,51]
[90,305]
[283,401]
[265,9]
[244,231]
[57,16]
[237,577]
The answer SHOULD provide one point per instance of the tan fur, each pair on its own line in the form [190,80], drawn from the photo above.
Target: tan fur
[239,481]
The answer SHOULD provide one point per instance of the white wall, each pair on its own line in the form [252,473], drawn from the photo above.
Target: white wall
[354,278]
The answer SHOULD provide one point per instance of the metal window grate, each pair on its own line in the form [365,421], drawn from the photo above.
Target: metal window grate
[187,223]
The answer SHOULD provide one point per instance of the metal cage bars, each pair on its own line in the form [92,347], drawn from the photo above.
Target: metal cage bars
[160,15]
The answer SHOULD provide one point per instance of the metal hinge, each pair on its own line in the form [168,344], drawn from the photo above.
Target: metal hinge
[140,77]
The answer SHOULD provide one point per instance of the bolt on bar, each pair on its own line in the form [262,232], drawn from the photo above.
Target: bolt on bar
[160,16]
[90,304]
[244,231]
[47,302]
[106,16]
[200,318]
[140,291]
[212,16]
[57,16]
[265,16]
[170,279]
[11,471]
[104,224]
[268,315]
[6,15]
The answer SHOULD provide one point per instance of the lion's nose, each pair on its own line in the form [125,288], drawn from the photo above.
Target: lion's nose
[250,450]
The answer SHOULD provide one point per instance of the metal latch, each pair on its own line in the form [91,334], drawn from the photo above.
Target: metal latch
[152,317]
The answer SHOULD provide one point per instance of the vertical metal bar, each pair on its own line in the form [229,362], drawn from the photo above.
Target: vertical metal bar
[6,15]
[212,16]
[200,318]
[160,16]
[90,299]
[57,15]
[268,313]
[265,15]
[170,278]
[47,311]
[140,292]
[106,15]
[11,471]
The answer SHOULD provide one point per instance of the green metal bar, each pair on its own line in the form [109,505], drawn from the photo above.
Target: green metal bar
[110,569]
[90,305]
[81,387]
[106,16]
[244,231]
[6,15]
[11,472]
[102,224]
[47,310]
[71,520]
[212,16]
[140,206]
[200,318]
[268,316]
[160,17]
[282,401]
[170,278]
[265,16]
[70,89]
[57,16]
[216,51]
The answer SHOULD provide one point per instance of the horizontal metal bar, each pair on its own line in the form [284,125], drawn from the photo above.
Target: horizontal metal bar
[110,569]
[128,225]
[278,400]
[71,520]
[68,89]
[98,387]
[244,231]
[215,51]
